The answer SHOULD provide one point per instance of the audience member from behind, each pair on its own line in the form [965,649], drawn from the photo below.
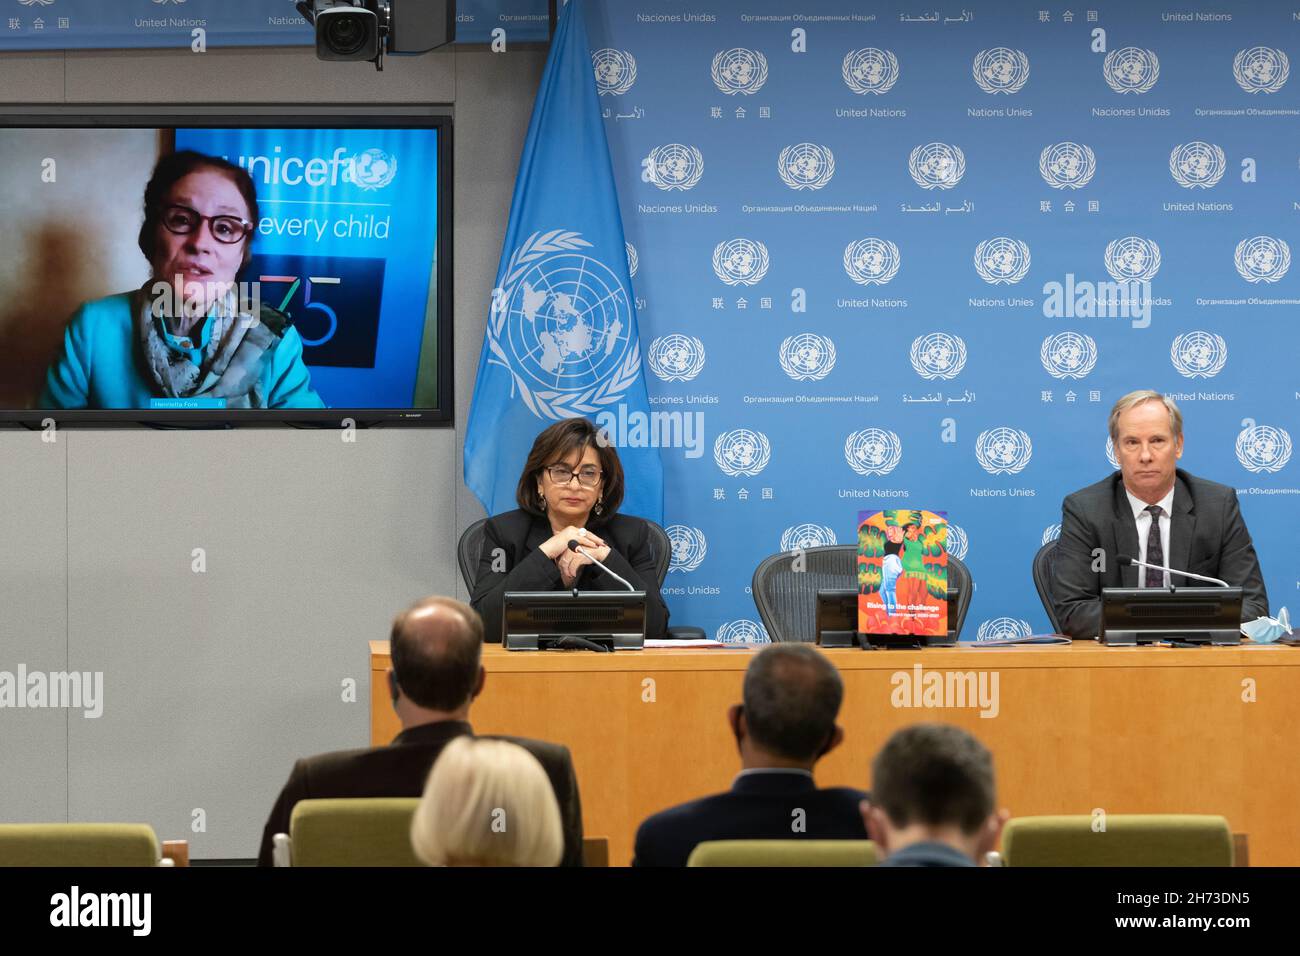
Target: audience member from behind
[792,695]
[932,799]
[487,803]
[436,676]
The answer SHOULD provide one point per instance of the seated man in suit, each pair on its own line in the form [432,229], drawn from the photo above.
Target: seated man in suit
[792,695]
[932,799]
[1152,511]
[435,677]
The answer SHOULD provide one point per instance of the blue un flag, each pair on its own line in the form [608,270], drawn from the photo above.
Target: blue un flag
[561,339]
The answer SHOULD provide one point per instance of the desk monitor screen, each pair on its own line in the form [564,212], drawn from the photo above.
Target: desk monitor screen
[837,621]
[540,620]
[1191,615]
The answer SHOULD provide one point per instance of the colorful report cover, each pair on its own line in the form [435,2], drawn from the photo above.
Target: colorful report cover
[903,572]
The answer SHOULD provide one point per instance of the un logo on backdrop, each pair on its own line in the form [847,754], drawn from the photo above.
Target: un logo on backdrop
[742,451]
[1198,354]
[938,355]
[1003,451]
[1068,355]
[1261,69]
[633,259]
[688,547]
[740,261]
[1132,259]
[739,71]
[873,451]
[676,358]
[1002,260]
[806,166]
[1000,70]
[1067,165]
[806,536]
[1262,259]
[1197,165]
[615,71]
[1111,457]
[674,166]
[870,70]
[871,261]
[807,357]
[1131,70]
[1003,628]
[743,631]
[1051,533]
[957,543]
[1263,448]
[937,165]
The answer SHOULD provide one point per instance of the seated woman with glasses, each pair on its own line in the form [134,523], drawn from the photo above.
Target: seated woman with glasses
[570,490]
[184,335]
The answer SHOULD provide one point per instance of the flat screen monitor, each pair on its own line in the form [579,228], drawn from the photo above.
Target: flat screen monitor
[546,620]
[1180,615]
[229,266]
[837,621]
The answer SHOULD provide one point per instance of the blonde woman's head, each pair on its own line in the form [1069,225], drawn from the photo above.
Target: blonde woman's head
[487,803]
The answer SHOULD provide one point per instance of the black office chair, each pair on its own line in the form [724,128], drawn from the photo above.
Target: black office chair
[787,599]
[1044,577]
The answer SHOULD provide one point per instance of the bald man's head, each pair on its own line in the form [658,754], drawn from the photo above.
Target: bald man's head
[436,646]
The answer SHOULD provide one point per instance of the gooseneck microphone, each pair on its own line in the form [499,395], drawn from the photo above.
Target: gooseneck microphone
[573,546]
[1125,561]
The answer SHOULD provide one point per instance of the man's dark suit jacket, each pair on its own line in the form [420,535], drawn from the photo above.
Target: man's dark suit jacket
[400,770]
[759,806]
[1206,536]
[518,534]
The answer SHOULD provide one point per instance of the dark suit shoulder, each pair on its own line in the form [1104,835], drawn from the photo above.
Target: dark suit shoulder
[1206,492]
[547,753]
[1099,493]
[512,525]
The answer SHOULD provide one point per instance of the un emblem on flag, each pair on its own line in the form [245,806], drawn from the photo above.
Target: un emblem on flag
[673,166]
[869,70]
[1067,165]
[1132,259]
[1068,354]
[1197,165]
[957,544]
[615,71]
[743,631]
[1198,354]
[1002,260]
[1261,69]
[688,547]
[806,166]
[1111,457]
[739,71]
[1003,451]
[1131,70]
[938,355]
[740,261]
[676,358]
[742,452]
[1263,448]
[1003,628]
[1262,259]
[561,326]
[805,536]
[873,451]
[1001,70]
[1051,533]
[871,261]
[937,165]
[807,357]
[633,259]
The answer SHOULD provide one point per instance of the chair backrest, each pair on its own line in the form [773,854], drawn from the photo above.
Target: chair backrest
[372,831]
[783,853]
[787,599]
[1044,576]
[1128,840]
[78,844]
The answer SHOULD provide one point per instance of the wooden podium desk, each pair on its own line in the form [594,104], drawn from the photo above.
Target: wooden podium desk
[1078,728]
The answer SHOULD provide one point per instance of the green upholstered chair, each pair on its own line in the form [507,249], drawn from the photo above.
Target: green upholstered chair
[1128,840]
[784,853]
[374,831]
[79,844]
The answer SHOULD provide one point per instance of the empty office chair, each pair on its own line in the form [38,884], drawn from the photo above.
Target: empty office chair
[1128,840]
[1044,576]
[784,853]
[370,831]
[80,844]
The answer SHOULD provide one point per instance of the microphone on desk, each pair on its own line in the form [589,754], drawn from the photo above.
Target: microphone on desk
[573,546]
[1125,561]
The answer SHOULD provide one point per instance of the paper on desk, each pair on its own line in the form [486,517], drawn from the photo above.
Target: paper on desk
[702,642]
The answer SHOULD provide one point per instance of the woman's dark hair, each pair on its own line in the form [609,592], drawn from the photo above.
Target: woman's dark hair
[558,442]
[174,167]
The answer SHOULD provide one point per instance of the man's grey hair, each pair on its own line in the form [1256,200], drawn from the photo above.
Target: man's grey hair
[1134,399]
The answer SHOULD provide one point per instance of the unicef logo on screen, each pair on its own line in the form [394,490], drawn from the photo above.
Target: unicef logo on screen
[801,537]
[870,70]
[1051,533]
[739,71]
[615,71]
[373,169]
[1263,448]
[1003,451]
[676,358]
[957,542]
[1197,165]
[1111,457]
[1261,69]
[806,166]
[871,261]
[808,357]
[1000,70]
[873,451]
[1198,354]
[938,355]
[1132,259]
[1067,165]
[673,166]
[1068,355]
[560,327]
[633,259]
[1131,70]
[1002,260]
[742,452]
[1003,628]
[1262,259]
[937,165]
[740,261]
[743,631]
[688,547]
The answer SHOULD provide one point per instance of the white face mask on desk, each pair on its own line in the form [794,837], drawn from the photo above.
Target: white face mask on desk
[1266,630]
